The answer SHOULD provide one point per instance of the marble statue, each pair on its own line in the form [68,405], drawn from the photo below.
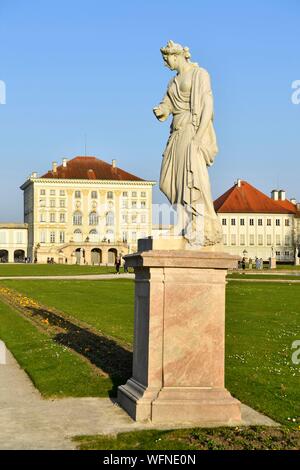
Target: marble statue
[191,147]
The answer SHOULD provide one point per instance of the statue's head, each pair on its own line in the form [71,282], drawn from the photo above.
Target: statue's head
[173,52]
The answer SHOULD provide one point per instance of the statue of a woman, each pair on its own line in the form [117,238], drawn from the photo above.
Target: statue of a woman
[191,147]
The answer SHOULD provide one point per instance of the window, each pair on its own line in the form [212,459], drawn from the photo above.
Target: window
[224,221]
[52,217]
[110,218]
[143,204]
[93,235]
[260,239]
[52,237]
[287,253]
[110,235]
[52,192]
[52,202]
[124,204]
[62,192]
[260,222]
[242,239]
[77,218]
[110,195]
[42,217]
[232,221]
[61,237]
[124,237]
[287,240]
[251,239]
[242,221]
[43,202]
[125,194]
[19,237]
[43,236]
[134,204]
[94,195]
[287,222]
[269,239]
[143,219]
[134,218]
[62,203]
[251,221]
[277,239]
[77,235]
[133,236]
[269,222]
[134,194]
[224,239]
[2,237]
[77,194]
[277,222]
[277,253]
[62,218]
[143,194]
[125,219]
[93,218]
[233,239]
[43,192]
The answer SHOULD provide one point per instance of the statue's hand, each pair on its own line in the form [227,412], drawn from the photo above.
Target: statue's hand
[160,113]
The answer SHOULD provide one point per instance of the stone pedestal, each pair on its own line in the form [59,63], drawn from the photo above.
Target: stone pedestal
[178,359]
[272,263]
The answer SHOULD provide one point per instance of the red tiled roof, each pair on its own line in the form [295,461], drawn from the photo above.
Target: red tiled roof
[90,168]
[246,198]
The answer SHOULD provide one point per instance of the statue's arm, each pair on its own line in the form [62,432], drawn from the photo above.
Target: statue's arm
[164,109]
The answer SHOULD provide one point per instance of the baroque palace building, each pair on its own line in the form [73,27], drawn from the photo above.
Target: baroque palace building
[255,225]
[85,211]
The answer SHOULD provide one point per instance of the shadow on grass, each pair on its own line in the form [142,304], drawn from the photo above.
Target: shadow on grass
[104,353]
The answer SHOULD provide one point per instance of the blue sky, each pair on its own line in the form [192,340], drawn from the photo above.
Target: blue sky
[75,67]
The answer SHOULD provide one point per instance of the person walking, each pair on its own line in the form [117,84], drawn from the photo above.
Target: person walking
[118,264]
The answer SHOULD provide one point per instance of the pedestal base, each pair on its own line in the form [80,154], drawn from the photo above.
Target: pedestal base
[175,405]
[178,358]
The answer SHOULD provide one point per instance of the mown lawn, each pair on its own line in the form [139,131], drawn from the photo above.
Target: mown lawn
[53,368]
[262,322]
[249,438]
[260,275]
[23,269]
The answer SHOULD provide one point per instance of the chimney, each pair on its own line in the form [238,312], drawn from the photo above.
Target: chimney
[274,195]
[64,162]
[33,174]
[239,183]
[282,195]
[293,201]
[298,206]
[54,167]
[114,163]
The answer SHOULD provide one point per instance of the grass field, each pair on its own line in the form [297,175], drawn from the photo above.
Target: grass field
[22,269]
[53,368]
[88,327]
[259,275]
[262,322]
[250,438]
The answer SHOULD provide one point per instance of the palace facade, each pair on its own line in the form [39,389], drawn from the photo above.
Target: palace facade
[256,225]
[85,211]
[13,242]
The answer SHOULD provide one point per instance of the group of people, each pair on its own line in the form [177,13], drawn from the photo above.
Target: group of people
[259,263]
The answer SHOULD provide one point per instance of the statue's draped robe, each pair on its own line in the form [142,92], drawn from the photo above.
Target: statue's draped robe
[184,177]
